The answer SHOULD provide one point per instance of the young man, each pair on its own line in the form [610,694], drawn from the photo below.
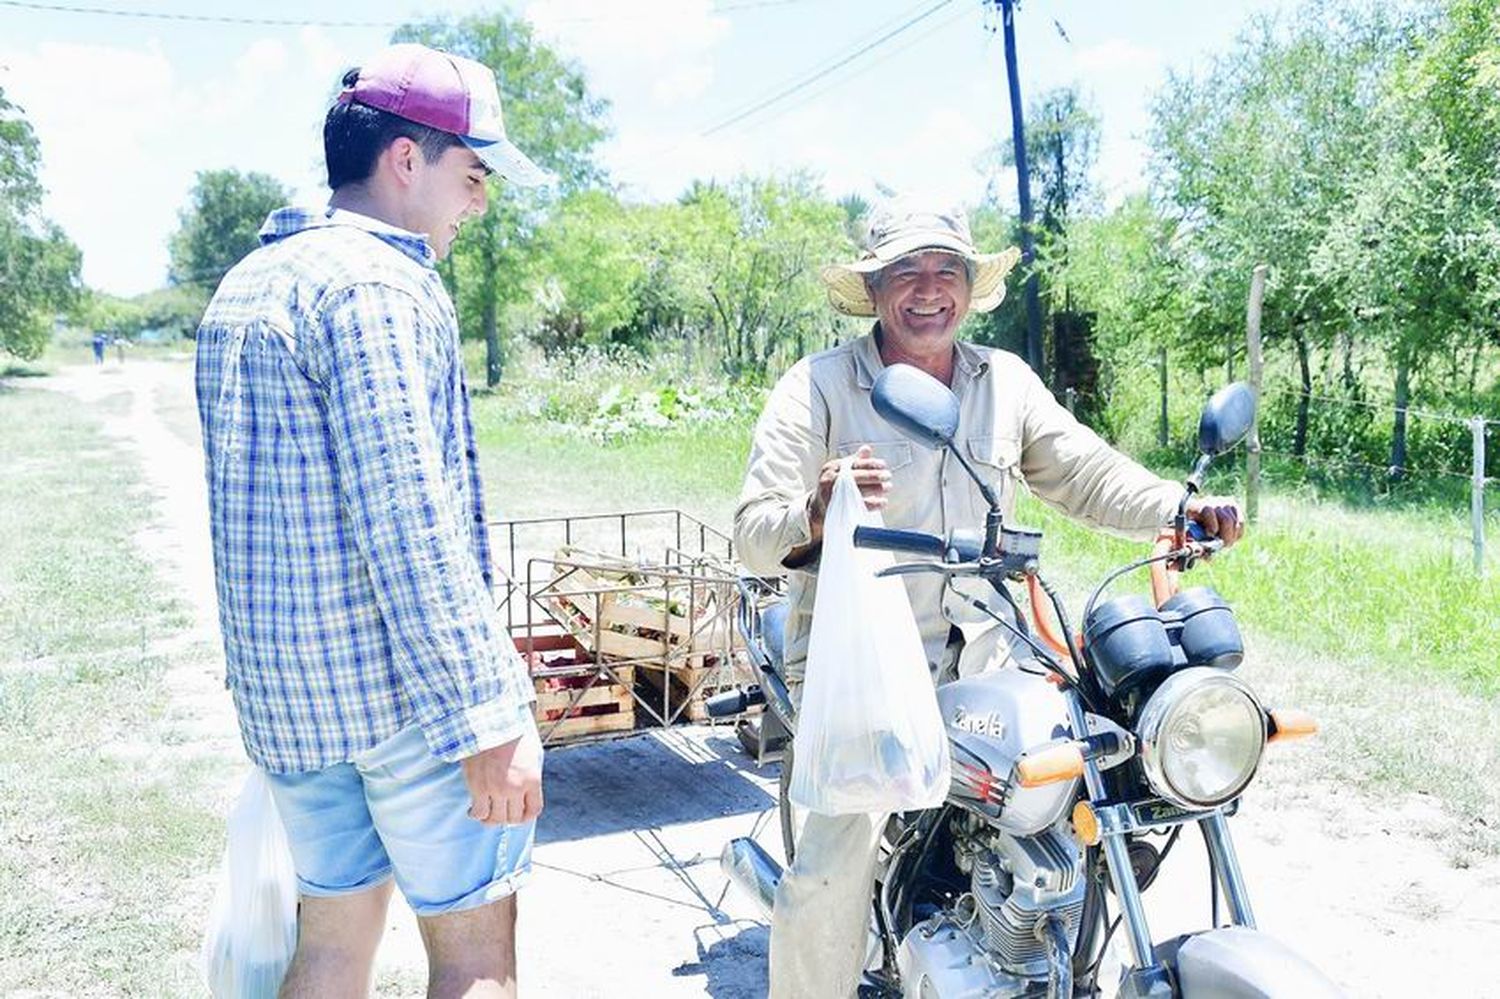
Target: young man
[373,682]
[920,276]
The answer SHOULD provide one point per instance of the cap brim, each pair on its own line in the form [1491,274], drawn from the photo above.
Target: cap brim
[502,156]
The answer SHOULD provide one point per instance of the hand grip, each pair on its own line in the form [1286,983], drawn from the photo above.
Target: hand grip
[891,540]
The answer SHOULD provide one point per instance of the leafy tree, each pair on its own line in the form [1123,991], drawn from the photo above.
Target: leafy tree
[591,268]
[1416,255]
[172,311]
[1062,146]
[39,265]
[219,226]
[549,114]
[755,246]
[1256,158]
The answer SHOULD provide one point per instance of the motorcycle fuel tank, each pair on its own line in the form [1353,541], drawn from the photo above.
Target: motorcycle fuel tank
[992,719]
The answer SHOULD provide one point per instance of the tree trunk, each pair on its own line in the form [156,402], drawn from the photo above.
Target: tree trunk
[1304,397]
[1161,426]
[1403,399]
[494,360]
[1346,348]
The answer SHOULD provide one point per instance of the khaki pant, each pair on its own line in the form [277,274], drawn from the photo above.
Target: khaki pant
[820,928]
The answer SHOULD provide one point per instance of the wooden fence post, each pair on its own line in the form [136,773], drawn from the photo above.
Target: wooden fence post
[1476,493]
[1252,339]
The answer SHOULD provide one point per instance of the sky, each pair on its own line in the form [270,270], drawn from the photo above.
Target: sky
[128,108]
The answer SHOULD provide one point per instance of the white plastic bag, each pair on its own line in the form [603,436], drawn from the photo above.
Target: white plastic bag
[252,927]
[869,734]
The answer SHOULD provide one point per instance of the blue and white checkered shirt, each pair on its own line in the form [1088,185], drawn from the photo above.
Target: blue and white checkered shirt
[345,504]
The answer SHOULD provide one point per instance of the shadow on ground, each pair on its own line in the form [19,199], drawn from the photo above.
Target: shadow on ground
[731,959]
[647,781]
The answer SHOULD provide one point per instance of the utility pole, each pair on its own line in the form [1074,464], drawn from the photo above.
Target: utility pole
[1023,188]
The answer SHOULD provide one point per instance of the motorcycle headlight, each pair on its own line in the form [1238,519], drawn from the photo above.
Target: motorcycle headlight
[1201,736]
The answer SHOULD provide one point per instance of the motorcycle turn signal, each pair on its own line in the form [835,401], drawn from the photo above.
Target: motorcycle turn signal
[1285,724]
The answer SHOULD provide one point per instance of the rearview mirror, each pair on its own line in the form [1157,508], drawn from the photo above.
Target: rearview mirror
[917,404]
[1226,419]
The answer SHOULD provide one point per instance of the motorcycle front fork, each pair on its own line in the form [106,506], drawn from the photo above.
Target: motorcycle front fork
[1116,822]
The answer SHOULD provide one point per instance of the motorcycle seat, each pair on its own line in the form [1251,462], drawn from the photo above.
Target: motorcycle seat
[773,632]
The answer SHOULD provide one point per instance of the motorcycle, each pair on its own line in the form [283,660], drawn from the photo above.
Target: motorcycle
[1066,764]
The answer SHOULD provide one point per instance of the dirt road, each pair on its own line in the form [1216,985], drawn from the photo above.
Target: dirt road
[628,900]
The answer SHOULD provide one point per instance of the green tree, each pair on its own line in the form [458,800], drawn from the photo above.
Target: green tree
[219,225]
[754,247]
[549,114]
[39,265]
[1416,255]
[591,268]
[1256,158]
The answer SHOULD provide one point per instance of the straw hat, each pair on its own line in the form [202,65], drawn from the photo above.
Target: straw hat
[899,230]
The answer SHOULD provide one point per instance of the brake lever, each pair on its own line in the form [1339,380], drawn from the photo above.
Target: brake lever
[946,568]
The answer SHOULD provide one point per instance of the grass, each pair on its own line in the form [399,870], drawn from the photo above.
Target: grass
[102,829]
[1370,617]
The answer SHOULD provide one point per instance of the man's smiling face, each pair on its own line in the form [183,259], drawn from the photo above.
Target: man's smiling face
[921,299]
[450,190]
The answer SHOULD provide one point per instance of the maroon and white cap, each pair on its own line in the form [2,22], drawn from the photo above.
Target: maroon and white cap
[448,93]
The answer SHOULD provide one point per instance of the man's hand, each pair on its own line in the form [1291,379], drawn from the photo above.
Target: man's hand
[871,474]
[1219,516]
[506,782]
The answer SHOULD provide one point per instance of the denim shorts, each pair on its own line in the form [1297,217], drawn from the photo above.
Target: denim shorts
[396,809]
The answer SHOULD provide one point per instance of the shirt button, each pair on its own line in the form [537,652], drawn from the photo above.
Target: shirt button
[479,518]
[471,454]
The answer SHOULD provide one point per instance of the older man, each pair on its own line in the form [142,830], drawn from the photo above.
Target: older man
[920,276]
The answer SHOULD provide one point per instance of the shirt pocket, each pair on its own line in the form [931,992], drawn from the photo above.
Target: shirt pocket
[897,454]
[998,462]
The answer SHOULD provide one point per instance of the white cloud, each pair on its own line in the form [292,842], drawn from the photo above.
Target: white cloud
[1118,55]
[668,43]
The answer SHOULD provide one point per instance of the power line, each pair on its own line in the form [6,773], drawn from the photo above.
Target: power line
[884,56]
[288,22]
[817,75]
[158,15]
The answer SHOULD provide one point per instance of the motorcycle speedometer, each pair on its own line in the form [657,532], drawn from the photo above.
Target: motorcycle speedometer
[1201,736]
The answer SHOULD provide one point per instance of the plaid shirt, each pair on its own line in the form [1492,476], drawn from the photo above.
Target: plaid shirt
[345,504]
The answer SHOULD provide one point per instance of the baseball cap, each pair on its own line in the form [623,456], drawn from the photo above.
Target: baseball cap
[448,93]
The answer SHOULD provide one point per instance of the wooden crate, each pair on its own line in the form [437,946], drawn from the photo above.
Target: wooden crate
[575,696]
[642,614]
[692,684]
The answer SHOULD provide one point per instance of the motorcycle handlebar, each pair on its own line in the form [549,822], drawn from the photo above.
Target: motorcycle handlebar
[891,540]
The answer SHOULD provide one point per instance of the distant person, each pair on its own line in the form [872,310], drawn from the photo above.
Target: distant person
[100,341]
[120,344]
[374,682]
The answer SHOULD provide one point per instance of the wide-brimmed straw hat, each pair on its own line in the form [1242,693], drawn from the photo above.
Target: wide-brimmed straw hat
[900,230]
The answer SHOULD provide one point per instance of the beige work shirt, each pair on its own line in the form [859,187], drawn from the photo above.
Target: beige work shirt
[1010,428]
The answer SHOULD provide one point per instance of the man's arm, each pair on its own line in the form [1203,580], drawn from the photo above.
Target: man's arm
[466,682]
[1071,468]
[773,529]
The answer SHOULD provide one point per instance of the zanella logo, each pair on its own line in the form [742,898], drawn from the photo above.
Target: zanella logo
[979,724]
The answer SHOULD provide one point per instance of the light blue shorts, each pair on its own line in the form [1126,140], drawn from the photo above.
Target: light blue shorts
[398,810]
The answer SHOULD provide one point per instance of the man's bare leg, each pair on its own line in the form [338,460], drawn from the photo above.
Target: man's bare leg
[336,941]
[472,954]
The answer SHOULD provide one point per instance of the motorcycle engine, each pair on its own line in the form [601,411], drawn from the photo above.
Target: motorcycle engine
[986,943]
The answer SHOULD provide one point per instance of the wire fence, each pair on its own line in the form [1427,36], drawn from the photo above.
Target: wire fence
[1277,443]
